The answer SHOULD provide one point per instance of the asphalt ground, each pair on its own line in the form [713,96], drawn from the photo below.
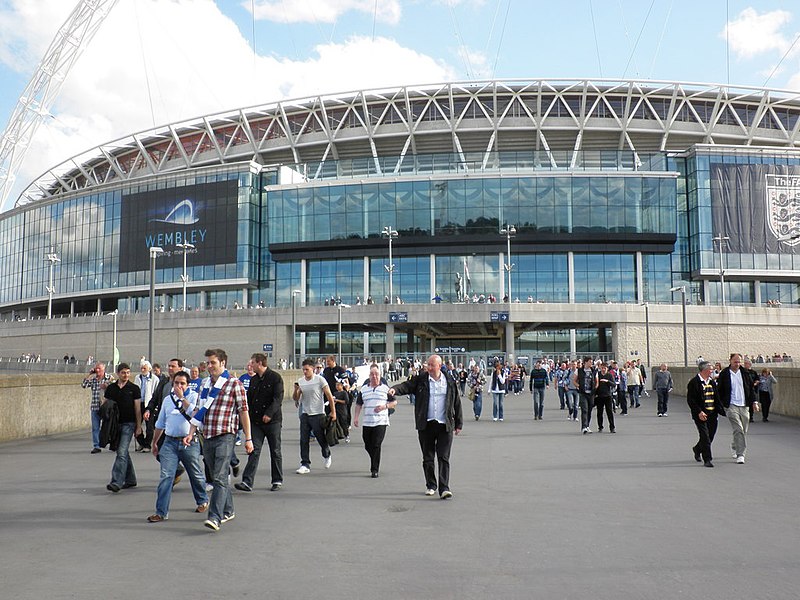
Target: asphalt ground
[539,511]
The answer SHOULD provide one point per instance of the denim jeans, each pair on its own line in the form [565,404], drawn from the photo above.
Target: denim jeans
[538,401]
[95,428]
[633,392]
[315,423]
[123,472]
[170,453]
[663,400]
[586,409]
[217,452]
[497,406]
[477,404]
[572,403]
[272,433]
[622,399]
[562,397]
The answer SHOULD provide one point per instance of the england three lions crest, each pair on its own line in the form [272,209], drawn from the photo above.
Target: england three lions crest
[783,208]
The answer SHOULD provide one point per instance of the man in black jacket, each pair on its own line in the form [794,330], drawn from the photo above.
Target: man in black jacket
[264,398]
[737,395]
[437,412]
[705,406]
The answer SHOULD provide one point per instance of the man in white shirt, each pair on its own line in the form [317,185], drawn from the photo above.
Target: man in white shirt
[437,412]
[310,393]
[737,394]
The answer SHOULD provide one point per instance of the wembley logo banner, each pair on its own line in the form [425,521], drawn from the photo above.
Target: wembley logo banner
[783,208]
[203,215]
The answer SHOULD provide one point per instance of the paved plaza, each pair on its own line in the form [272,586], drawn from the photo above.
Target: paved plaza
[539,511]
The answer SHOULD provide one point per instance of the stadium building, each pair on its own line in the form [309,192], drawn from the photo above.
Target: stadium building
[587,209]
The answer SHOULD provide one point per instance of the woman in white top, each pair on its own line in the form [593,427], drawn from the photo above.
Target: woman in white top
[498,390]
[373,400]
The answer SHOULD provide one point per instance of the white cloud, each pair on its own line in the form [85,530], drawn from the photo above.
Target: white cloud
[197,62]
[751,33]
[323,11]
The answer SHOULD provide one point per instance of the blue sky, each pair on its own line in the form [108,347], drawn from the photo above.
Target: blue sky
[159,61]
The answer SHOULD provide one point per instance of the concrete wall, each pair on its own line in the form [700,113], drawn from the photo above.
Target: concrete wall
[42,405]
[786,393]
[713,332]
[37,405]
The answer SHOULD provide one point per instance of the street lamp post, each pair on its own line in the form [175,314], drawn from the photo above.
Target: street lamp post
[390,234]
[340,306]
[184,278]
[509,231]
[294,326]
[155,252]
[720,239]
[682,290]
[647,331]
[52,258]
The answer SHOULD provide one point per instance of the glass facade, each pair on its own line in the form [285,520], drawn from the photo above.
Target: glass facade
[479,206]
[603,236]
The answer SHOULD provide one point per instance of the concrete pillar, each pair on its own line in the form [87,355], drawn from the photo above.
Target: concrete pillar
[433,290]
[302,285]
[510,339]
[573,342]
[390,339]
[757,291]
[366,288]
[639,279]
[571,281]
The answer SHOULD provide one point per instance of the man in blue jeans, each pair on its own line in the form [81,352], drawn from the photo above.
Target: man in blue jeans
[540,381]
[179,446]
[98,380]
[224,404]
[127,396]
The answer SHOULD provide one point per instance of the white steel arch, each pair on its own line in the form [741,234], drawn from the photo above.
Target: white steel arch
[476,118]
[36,100]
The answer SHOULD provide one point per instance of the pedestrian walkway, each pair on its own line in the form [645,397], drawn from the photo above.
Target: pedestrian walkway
[540,511]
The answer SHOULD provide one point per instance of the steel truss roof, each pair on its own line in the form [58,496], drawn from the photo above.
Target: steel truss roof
[466,117]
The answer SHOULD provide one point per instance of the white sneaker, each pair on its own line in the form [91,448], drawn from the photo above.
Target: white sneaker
[303,470]
[328,462]
[430,492]
[494,418]
[740,460]
[733,453]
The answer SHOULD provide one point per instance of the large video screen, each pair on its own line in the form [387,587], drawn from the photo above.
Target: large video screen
[756,206]
[204,215]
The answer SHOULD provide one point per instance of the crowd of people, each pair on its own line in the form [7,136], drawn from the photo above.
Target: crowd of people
[192,418]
